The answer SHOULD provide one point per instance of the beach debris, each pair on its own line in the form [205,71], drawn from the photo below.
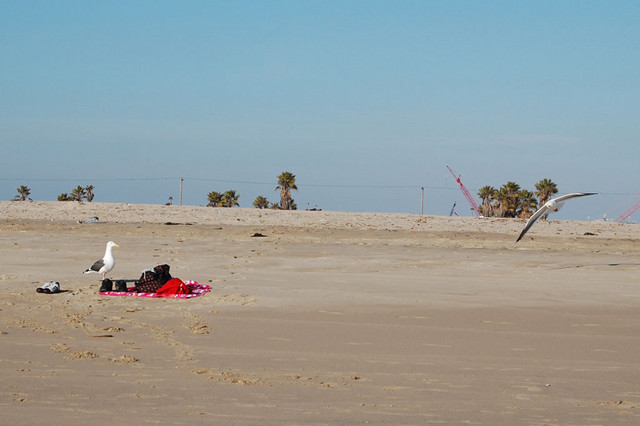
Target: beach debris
[258,234]
[550,206]
[93,219]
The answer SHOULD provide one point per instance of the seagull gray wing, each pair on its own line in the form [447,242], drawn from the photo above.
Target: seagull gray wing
[573,195]
[96,266]
[542,210]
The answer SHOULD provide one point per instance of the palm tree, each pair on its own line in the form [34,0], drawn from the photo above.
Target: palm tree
[215,199]
[230,199]
[89,192]
[23,193]
[261,202]
[286,183]
[77,194]
[528,204]
[508,199]
[545,189]
[487,195]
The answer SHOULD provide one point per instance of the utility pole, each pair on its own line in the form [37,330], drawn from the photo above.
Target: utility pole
[181,182]
[422,204]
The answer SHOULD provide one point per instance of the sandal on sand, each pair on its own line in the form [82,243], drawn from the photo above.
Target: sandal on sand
[49,287]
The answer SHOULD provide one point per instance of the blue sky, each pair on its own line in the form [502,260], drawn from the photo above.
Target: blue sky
[364,101]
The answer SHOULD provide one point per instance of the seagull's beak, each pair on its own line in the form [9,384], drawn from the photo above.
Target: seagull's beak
[116,245]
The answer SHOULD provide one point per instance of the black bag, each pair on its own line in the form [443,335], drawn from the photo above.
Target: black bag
[152,279]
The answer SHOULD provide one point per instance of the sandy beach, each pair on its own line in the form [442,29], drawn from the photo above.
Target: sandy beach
[318,317]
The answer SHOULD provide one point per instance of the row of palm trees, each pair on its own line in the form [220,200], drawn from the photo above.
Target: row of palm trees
[78,193]
[286,184]
[226,199]
[510,200]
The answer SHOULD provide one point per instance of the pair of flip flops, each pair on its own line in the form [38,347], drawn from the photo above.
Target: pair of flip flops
[49,288]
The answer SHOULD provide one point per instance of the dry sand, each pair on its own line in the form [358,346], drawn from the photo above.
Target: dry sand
[329,318]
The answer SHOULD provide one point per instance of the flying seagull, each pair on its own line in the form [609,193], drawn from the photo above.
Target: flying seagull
[552,205]
[106,264]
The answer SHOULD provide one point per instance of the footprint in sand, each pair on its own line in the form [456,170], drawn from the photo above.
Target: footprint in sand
[199,328]
[59,347]
[124,359]
[82,355]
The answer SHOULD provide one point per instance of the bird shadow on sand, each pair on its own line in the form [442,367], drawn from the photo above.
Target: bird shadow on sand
[622,264]
[598,265]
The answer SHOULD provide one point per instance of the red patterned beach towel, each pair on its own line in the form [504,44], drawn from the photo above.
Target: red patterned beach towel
[195,288]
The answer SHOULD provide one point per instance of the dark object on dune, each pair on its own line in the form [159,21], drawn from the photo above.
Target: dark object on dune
[93,219]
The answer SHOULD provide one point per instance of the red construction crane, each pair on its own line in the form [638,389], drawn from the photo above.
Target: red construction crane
[465,192]
[631,210]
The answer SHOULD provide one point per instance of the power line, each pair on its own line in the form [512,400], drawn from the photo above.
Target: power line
[244,182]
[318,185]
[372,186]
[83,179]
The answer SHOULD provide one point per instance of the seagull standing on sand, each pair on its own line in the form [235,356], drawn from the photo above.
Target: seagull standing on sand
[106,264]
[552,205]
